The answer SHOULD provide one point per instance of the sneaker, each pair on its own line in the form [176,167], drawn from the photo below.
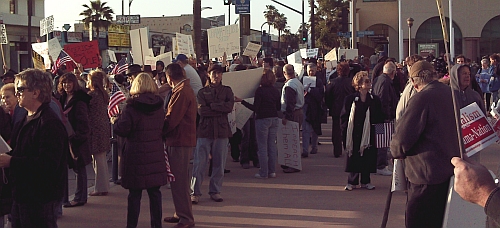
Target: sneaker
[216,197]
[384,172]
[348,187]
[258,176]
[195,199]
[272,175]
[368,186]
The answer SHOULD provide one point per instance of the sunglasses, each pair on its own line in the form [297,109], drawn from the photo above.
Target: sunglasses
[20,90]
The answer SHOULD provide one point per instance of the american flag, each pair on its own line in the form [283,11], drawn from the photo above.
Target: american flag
[61,60]
[116,98]
[383,134]
[120,67]
[170,175]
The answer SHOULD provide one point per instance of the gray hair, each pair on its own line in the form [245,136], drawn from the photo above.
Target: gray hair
[289,70]
[424,77]
[389,68]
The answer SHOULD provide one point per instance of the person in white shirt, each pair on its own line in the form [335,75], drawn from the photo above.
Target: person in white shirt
[191,73]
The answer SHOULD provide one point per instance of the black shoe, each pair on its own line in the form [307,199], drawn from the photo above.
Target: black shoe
[227,171]
[291,170]
[304,155]
[314,151]
[73,203]
[171,219]
[256,165]
[236,160]
[319,143]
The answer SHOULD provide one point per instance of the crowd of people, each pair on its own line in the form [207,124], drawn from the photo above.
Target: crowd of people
[178,113]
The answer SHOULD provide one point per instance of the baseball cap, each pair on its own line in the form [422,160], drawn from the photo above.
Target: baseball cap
[134,69]
[420,66]
[215,67]
[180,57]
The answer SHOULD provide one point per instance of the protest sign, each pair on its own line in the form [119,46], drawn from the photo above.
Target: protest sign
[85,53]
[243,113]
[74,37]
[309,82]
[252,49]
[332,55]
[162,49]
[174,47]
[54,48]
[288,143]
[312,53]
[348,54]
[398,177]
[43,50]
[477,133]
[303,53]
[46,25]
[166,58]
[3,34]
[223,39]
[243,83]
[191,46]
[38,62]
[460,213]
[139,40]
[151,61]
[183,46]
[295,59]
[112,56]
[231,117]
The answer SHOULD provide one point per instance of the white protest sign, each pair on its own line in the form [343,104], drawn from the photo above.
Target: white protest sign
[223,39]
[191,46]
[3,34]
[252,49]
[43,50]
[303,53]
[149,60]
[46,25]
[477,132]
[312,53]
[182,43]
[112,56]
[295,59]
[398,177]
[243,83]
[243,113]
[332,55]
[309,82]
[348,53]
[174,47]
[288,143]
[140,44]
[162,49]
[166,58]
[231,118]
[54,48]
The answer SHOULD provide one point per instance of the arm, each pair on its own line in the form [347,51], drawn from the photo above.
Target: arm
[180,104]
[204,104]
[225,106]
[384,96]
[81,125]
[290,100]
[248,105]
[123,126]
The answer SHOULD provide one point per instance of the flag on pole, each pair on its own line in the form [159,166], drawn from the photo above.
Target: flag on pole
[61,60]
[116,98]
[120,67]
[383,134]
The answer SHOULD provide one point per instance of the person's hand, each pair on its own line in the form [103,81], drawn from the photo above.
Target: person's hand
[473,182]
[237,99]
[283,121]
[5,68]
[5,160]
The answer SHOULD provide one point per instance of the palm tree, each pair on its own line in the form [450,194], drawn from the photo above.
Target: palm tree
[98,13]
[270,14]
[280,23]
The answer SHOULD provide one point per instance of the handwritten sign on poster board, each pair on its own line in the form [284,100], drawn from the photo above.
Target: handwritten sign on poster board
[288,143]
[223,39]
[85,53]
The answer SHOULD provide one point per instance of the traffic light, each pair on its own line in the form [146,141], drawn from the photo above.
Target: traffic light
[227,2]
[344,20]
[304,36]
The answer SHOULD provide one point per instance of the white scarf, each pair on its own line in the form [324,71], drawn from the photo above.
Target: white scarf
[365,139]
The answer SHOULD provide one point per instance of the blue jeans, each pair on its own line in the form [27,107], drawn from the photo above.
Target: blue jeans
[134,206]
[35,215]
[218,149]
[266,130]
[308,134]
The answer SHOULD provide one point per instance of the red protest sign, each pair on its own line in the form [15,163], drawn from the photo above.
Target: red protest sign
[477,132]
[85,53]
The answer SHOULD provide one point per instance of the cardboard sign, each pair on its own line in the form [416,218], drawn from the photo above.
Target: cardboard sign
[151,61]
[477,132]
[332,55]
[38,61]
[243,113]
[288,143]
[54,48]
[112,56]
[46,25]
[309,82]
[3,35]
[348,53]
[252,49]
[183,46]
[191,46]
[243,83]
[295,59]
[85,53]
[43,50]
[312,53]
[223,39]
[139,39]
[231,118]
[398,177]
[166,58]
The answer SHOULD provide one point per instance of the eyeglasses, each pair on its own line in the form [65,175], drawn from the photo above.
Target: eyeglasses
[20,90]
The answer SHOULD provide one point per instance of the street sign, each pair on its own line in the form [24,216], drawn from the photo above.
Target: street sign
[344,34]
[3,35]
[128,19]
[365,33]
[242,6]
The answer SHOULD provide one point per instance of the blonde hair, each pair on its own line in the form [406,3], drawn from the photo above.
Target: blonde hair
[143,83]
[357,80]
[8,87]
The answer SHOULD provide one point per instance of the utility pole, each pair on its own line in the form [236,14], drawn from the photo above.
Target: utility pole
[303,24]
[30,14]
[313,43]
[354,28]
[197,27]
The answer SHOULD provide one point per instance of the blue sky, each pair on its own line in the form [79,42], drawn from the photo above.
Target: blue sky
[66,11]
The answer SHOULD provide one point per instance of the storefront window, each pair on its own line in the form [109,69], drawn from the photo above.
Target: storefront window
[490,37]
[430,32]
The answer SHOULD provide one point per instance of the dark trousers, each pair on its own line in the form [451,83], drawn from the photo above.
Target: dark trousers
[34,215]
[134,206]
[249,144]
[81,184]
[178,157]
[235,142]
[382,158]
[426,205]
[353,178]
[336,136]
[488,101]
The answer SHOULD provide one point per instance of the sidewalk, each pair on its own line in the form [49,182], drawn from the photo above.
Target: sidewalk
[314,197]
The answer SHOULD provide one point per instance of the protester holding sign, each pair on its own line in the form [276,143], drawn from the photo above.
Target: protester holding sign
[426,137]
[461,82]
[361,110]
[314,93]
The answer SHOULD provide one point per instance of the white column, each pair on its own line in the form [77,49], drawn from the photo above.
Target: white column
[452,32]
[400,29]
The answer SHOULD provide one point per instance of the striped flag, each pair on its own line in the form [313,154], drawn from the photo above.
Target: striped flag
[61,60]
[120,67]
[116,98]
[383,134]
[170,175]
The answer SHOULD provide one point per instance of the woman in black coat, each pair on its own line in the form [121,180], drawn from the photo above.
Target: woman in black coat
[358,132]
[141,124]
[74,102]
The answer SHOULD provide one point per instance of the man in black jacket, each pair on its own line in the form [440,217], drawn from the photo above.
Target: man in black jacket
[382,88]
[38,159]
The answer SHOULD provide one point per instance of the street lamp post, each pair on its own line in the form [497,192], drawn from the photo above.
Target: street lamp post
[409,21]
